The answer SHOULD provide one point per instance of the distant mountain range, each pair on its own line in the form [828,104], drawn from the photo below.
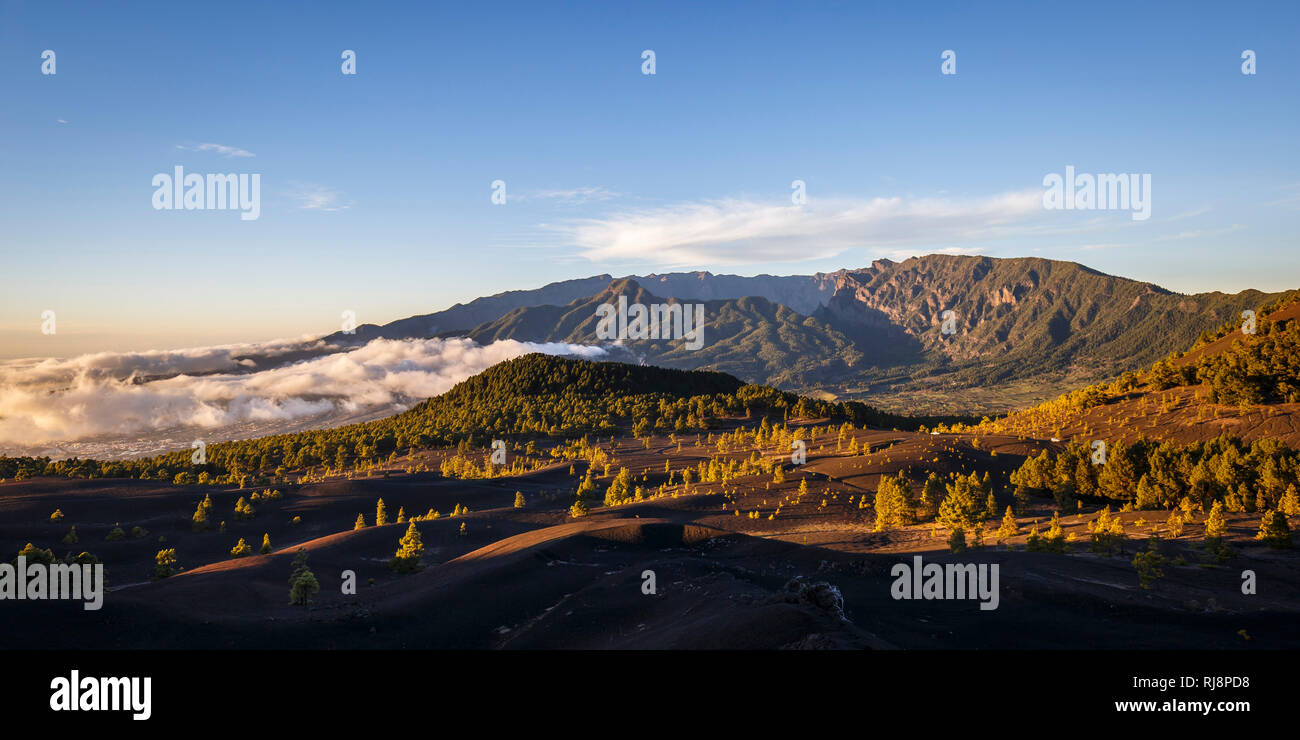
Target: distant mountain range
[882,328]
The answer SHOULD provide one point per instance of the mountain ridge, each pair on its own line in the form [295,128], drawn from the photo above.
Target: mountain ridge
[886,326]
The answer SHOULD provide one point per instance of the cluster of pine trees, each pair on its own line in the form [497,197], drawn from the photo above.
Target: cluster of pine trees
[1160,475]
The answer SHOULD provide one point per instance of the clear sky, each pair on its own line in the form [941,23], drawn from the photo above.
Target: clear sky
[376,187]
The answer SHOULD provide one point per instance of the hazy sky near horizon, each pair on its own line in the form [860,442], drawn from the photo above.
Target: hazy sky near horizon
[376,187]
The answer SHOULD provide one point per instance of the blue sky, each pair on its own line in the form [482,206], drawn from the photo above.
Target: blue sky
[376,187]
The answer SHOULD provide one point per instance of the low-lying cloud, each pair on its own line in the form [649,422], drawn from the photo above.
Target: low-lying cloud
[105,397]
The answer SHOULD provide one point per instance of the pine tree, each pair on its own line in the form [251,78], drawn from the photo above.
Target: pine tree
[164,563]
[1148,563]
[1054,540]
[409,550]
[959,509]
[990,506]
[299,562]
[266,544]
[241,549]
[1215,525]
[1148,495]
[1021,496]
[1033,543]
[302,583]
[957,541]
[1274,530]
[894,506]
[33,554]
[71,537]
[1009,527]
[401,515]
[199,522]
[57,515]
[1174,524]
[1107,533]
[361,522]
[931,495]
[620,489]
[1290,503]
[243,509]
[381,514]
[585,486]
[519,500]
[579,509]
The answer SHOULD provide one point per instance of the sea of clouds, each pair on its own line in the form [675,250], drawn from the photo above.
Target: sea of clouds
[114,404]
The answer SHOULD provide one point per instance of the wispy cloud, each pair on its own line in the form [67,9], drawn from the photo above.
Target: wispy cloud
[573,196]
[311,197]
[1199,233]
[222,149]
[1290,198]
[1189,214]
[737,231]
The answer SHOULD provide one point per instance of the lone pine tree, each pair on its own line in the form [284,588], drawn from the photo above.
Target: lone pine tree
[164,563]
[409,550]
[302,583]
[1009,527]
[199,522]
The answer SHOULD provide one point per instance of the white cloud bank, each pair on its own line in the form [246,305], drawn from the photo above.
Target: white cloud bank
[739,231]
[99,396]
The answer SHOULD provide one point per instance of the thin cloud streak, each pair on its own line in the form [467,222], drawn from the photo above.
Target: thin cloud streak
[735,231]
[222,149]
